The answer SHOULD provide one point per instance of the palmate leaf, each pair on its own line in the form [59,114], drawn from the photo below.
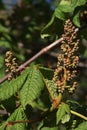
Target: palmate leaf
[70,5]
[65,7]
[33,86]
[59,14]
[3,126]
[2,72]
[10,88]
[54,27]
[63,111]
[76,19]
[17,115]
[82,126]
[46,34]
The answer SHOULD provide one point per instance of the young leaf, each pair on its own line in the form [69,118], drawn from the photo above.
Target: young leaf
[82,126]
[61,113]
[60,14]
[32,87]
[10,88]
[69,6]
[44,35]
[65,118]
[17,115]
[65,7]
[76,19]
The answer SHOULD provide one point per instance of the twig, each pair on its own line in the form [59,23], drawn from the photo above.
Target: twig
[42,51]
[79,115]
[84,65]
[4,112]
[46,113]
[40,118]
[23,121]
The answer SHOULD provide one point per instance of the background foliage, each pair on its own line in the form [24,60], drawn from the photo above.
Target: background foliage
[25,29]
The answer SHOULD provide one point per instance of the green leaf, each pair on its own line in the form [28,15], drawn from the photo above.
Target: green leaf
[10,88]
[76,19]
[61,113]
[70,5]
[5,43]
[2,72]
[67,109]
[1,61]
[17,115]
[43,35]
[3,126]
[3,29]
[33,86]
[65,118]
[72,102]
[82,126]
[59,14]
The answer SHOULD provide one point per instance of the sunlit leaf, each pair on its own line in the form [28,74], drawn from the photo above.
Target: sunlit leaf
[82,126]
[65,118]
[33,86]
[61,113]
[76,18]
[10,88]
[70,5]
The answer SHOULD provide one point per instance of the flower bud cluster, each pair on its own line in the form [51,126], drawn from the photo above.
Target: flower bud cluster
[68,60]
[12,66]
[73,125]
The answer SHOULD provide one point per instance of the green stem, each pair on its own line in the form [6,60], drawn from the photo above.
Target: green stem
[57,100]
[79,115]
